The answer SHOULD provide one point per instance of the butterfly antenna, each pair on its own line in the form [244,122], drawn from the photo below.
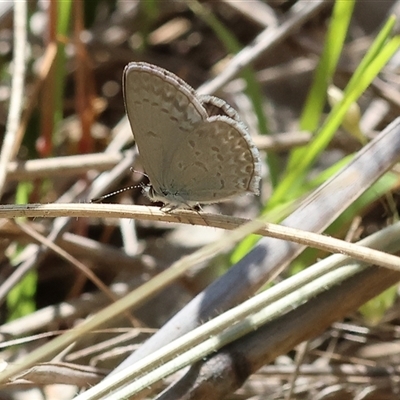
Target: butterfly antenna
[106,196]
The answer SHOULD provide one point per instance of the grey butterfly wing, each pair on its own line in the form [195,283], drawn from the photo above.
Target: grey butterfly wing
[216,162]
[215,106]
[162,110]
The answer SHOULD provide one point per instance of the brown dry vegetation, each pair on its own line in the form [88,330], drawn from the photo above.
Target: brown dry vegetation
[67,132]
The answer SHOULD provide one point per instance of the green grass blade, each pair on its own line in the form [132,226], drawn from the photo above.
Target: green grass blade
[296,174]
[335,38]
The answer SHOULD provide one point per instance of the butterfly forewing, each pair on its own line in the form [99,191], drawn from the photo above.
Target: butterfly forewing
[161,113]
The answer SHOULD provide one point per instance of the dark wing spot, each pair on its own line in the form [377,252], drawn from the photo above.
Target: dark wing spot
[152,134]
[201,165]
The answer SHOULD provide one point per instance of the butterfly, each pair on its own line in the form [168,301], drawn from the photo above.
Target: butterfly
[194,149]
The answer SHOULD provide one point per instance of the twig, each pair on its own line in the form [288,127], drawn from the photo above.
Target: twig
[17,89]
